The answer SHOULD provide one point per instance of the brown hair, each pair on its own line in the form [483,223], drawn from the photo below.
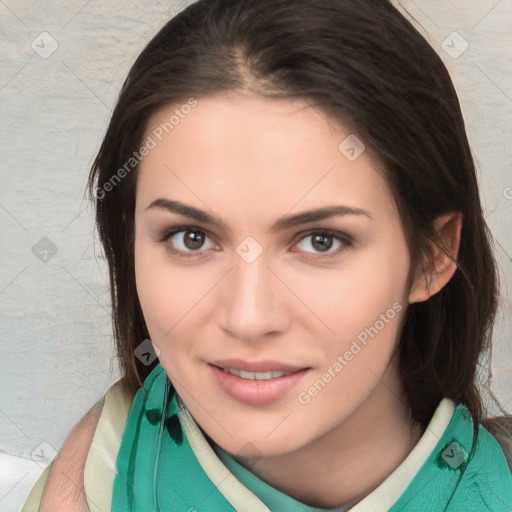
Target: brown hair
[366,66]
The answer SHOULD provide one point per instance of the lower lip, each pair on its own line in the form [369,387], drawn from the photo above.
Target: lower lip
[256,392]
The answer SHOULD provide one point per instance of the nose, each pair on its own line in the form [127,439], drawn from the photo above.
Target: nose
[252,302]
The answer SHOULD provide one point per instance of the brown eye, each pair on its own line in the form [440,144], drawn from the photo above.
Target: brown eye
[193,240]
[185,241]
[323,241]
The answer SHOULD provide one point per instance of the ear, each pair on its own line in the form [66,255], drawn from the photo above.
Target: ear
[441,269]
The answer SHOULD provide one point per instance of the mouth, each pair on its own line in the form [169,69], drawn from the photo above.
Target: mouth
[272,374]
[257,370]
[259,387]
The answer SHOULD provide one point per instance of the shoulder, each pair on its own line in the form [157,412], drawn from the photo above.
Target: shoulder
[85,465]
[64,488]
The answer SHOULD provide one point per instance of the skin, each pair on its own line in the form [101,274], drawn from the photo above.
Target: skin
[249,161]
[64,490]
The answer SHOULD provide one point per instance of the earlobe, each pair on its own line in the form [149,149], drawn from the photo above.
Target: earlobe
[443,266]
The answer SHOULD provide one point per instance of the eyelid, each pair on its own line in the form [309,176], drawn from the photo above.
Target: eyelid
[344,238]
[327,231]
[167,233]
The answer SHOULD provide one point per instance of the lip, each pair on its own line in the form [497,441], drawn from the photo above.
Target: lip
[256,366]
[256,392]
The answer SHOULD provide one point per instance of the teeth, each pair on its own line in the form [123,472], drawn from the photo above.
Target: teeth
[255,375]
[248,375]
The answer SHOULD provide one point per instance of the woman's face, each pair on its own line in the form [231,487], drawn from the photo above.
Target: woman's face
[255,277]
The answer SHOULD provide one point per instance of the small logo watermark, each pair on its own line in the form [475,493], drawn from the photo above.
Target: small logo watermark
[147,352]
[44,45]
[352,147]
[43,454]
[44,249]
[454,45]
[249,249]
[454,455]
[250,450]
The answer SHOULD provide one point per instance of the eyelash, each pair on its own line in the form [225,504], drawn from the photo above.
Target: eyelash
[346,240]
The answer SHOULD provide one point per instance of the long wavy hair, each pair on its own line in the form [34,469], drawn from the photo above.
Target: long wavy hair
[363,64]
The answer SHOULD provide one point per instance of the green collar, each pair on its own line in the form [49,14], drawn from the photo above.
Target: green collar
[165,463]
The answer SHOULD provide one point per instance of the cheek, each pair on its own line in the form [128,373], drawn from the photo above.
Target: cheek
[156,289]
[168,294]
[149,289]
[353,296]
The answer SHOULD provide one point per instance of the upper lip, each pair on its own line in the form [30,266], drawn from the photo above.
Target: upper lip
[256,366]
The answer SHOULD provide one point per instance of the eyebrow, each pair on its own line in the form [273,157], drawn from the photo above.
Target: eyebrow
[286,222]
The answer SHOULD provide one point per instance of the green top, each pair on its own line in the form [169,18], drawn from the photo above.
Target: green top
[158,466]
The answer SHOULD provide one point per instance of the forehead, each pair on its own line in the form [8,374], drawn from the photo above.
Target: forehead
[257,153]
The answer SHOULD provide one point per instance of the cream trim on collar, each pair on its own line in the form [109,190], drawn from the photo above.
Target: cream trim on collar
[100,466]
[389,491]
[239,496]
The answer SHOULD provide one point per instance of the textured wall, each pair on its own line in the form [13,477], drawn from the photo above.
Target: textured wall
[61,68]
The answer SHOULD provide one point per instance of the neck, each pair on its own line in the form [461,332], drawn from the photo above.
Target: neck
[350,461]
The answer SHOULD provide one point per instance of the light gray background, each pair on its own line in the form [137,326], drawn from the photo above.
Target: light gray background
[56,343]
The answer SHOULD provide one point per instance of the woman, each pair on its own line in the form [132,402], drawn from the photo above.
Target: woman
[290,212]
